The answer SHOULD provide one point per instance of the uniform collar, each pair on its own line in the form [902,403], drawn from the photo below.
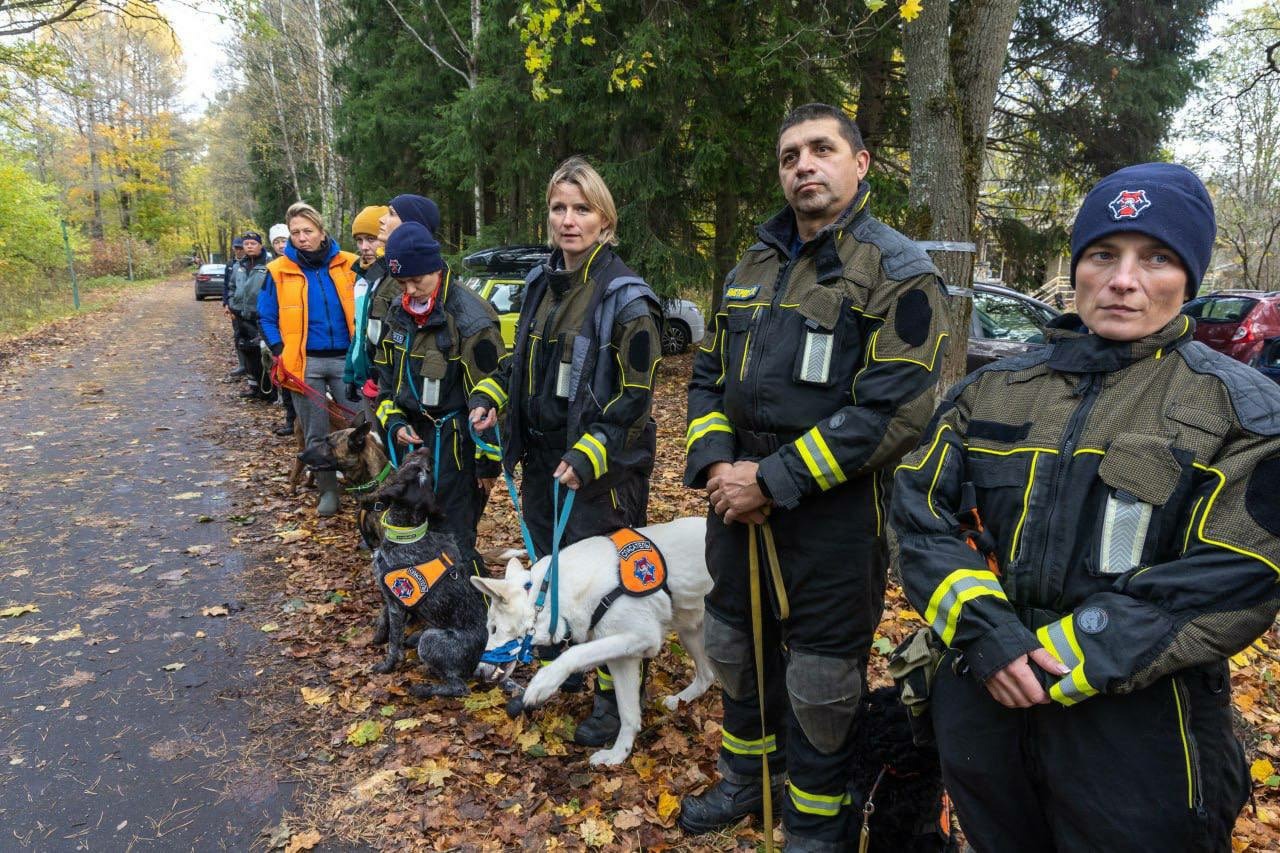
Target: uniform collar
[1077,350]
[780,231]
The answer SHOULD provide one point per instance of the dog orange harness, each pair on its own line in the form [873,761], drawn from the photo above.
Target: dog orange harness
[642,570]
[411,583]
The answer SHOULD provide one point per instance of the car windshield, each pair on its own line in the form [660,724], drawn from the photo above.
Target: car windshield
[1219,309]
[1006,318]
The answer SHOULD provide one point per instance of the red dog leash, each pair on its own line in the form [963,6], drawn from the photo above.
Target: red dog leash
[288,380]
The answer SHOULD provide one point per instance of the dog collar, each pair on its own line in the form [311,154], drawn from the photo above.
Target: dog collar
[374,483]
[402,535]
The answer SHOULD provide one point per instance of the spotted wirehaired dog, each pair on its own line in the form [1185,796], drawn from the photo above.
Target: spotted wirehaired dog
[421,570]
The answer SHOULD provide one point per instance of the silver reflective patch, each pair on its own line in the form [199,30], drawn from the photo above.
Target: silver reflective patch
[430,392]
[815,363]
[374,331]
[1124,531]
[562,380]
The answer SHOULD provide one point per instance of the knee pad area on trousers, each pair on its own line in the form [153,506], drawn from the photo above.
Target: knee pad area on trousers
[731,657]
[824,693]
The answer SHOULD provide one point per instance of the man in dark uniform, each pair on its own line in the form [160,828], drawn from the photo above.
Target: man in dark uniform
[818,376]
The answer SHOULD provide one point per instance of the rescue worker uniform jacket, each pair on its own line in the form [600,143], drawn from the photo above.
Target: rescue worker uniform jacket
[383,294]
[1128,493]
[425,374]
[306,310]
[578,388]
[821,366]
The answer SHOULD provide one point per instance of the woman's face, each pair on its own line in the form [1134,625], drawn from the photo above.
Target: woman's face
[387,223]
[306,236]
[421,287]
[278,244]
[574,224]
[1128,286]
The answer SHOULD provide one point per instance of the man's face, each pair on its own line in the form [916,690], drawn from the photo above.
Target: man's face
[367,248]
[252,248]
[819,170]
[237,252]
[1128,286]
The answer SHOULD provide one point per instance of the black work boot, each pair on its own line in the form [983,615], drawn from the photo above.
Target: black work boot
[725,803]
[286,429]
[603,724]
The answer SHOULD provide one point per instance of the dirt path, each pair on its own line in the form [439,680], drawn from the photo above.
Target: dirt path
[124,708]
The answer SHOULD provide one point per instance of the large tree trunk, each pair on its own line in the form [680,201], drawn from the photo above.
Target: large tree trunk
[954,53]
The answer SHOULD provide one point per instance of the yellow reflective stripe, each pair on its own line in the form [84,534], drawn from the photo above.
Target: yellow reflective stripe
[700,427]
[948,599]
[491,389]
[743,746]
[385,410]
[937,347]
[1026,507]
[604,681]
[928,496]
[819,459]
[591,447]
[937,437]
[1186,746]
[1204,517]
[827,805]
[1059,638]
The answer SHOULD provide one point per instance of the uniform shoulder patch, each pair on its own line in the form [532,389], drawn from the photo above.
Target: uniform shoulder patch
[642,570]
[1260,496]
[486,355]
[1255,399]
[741,291]
[913,317]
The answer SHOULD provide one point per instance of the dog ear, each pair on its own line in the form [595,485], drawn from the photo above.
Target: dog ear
[491,587]
[514,568]
[358,436]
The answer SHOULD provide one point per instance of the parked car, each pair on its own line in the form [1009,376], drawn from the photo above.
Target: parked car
[209,280]
[498,274]
[1235,322]
[1004,323]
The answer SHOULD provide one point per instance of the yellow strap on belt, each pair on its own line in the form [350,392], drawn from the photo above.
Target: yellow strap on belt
[757,628]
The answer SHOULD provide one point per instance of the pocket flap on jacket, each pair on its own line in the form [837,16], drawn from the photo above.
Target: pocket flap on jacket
[738,321]
[1142,465]
[822,306]
[993,472]
[1199,418]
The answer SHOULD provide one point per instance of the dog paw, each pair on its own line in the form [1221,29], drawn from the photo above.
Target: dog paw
[608,757]
[540,689]
[383,668]
[379,637]
[671,702]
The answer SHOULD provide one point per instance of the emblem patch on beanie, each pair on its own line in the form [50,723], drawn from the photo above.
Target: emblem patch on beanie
[394,266]
[1129,204]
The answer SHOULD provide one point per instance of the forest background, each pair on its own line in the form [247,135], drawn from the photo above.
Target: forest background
[987,120]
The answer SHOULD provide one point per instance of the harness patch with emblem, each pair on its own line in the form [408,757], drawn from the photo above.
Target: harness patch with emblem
[411,583]
[738,292]
[641,567]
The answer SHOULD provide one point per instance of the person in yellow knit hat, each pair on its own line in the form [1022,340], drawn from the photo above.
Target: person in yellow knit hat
[368,269]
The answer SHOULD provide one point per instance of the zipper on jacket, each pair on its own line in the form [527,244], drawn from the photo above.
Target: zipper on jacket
[1088,390]
[1195,796]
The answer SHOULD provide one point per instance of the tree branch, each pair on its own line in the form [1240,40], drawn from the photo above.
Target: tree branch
[430,49]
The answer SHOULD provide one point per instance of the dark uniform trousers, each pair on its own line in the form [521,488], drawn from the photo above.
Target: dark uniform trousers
[1158,769]
[833,565]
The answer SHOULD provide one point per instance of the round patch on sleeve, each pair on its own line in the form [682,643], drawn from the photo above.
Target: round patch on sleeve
[486,356]
[912,317]
[1261,498]
[638,352]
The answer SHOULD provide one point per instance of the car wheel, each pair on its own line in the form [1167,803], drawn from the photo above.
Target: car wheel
[675,337]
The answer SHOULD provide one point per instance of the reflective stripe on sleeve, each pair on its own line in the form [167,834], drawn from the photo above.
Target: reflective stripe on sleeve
[491,389]
[385,410]
[704,426]
[1059,638]
[819,459]
[594,450]
[948,599]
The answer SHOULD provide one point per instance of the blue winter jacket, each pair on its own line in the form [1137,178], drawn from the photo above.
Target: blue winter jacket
[326,322]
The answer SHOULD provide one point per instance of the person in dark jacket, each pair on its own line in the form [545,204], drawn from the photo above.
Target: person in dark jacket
[1125,477]
[818,376]
[307,314]
[248,277]
[578,387]
[228,276]
[437,344]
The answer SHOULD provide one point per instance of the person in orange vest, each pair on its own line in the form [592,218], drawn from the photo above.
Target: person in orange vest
[307,314]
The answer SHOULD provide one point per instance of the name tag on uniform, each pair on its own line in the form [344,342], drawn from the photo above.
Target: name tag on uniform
[741,292]
[398,337]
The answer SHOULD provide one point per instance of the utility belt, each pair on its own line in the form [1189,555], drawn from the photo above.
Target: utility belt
[761,444]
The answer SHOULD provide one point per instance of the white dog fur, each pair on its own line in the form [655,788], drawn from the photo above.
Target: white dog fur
[631,630]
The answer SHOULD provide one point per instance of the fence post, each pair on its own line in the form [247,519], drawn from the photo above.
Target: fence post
[71,265]
[955,261]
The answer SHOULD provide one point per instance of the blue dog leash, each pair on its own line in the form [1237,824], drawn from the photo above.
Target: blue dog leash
[496,450]
[437,426]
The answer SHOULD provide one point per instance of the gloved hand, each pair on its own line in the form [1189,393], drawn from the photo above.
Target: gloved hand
[353,392]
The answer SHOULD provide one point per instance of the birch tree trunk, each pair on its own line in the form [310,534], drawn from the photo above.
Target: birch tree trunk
[287,144]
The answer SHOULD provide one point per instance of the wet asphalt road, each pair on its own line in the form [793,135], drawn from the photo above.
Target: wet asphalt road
[123,708]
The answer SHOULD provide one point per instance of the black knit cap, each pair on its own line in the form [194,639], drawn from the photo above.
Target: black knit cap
[412,251]
[1165,201]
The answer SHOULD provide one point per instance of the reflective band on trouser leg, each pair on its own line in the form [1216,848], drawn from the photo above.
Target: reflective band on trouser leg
[1060,640]
[948,599]
[604,681]
[826,805]
[819,459]
[705,425]
[743,746]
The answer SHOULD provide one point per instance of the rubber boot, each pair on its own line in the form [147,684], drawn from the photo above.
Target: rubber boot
[327,485]
[603,724]
[725,803]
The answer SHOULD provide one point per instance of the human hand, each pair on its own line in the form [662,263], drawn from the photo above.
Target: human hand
[406,436]
[1016,686]
[483,417]
[567,476]
[736,494]
[486,483]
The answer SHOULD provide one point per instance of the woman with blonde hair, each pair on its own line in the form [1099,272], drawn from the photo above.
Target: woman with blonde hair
[578,388]
[307,314]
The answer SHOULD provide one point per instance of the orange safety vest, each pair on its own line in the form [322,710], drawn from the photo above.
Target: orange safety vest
[291,296]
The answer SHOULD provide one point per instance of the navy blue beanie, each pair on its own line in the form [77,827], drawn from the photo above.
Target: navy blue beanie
[1165,201]
[415,208]
[411,250]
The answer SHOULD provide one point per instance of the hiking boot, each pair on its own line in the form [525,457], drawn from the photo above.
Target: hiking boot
[287,429]
[725,803]
[603,724]
[237,373]
[330,500]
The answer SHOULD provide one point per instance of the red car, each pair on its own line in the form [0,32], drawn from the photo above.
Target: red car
[1235,322]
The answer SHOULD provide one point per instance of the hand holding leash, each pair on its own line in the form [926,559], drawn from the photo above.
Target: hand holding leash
[483,417]
[567,476]
[736,494]
[406,436]
[1016,686]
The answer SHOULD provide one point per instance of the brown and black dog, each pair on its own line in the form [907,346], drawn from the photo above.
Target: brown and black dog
[359,454]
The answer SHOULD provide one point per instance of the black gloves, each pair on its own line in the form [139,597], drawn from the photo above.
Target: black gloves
[353,392]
